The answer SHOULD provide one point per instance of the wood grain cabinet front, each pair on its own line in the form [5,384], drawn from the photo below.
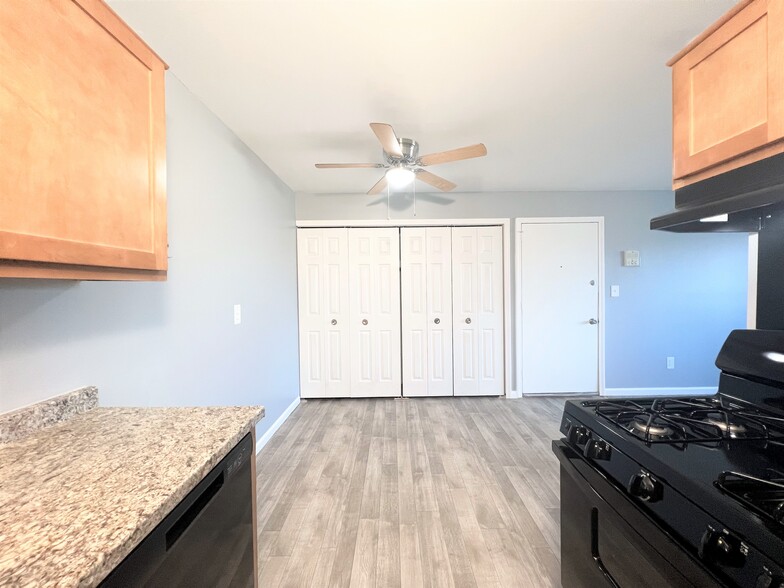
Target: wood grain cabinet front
[82,138]
[728,93]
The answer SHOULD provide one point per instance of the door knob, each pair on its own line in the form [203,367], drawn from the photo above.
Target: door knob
[334,322]
[592,321]
[437,321]
[364,321]
[468,321]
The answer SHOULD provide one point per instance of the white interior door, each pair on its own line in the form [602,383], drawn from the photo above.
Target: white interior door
[374,278]
[322,269]
[478,311]
[559,277]
[426,305]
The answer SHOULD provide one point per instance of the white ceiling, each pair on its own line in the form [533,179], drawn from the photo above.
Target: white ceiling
[567,95]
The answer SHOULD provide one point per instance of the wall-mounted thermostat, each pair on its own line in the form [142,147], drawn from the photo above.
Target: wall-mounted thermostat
[631,258]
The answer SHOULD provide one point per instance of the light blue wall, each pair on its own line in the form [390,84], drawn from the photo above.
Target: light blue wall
[231,230]
[683,300]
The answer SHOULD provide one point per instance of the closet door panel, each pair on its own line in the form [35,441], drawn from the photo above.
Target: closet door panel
[374,278]
[477,265]
[464,310]
[310,257]
[322,269]
[490,310]
[426,286]
[439,307]
[337,352]
[413,276]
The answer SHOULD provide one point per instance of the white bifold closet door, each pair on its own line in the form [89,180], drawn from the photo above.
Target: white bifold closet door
[374,294]
[426,305]
[478,315]
[323,313]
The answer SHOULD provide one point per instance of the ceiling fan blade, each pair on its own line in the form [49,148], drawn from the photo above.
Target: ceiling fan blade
[478,150]
[387,137]
[347,165]
[435,181]
[379,186]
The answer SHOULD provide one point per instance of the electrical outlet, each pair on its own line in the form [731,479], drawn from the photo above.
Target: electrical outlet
[237,314]
[615,291]
[670,363]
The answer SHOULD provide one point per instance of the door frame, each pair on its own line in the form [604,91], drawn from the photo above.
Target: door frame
[504,223]
[518,222]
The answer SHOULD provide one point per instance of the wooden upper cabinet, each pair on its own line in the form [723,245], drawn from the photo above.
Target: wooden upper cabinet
[728,93]
[82,144]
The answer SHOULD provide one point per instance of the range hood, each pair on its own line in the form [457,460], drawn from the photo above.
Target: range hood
[736,201]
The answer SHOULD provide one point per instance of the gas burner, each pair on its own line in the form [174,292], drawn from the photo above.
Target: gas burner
[734,429]
[642,424]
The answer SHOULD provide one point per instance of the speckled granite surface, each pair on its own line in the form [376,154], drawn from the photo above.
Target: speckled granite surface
[17,424]
[77,497]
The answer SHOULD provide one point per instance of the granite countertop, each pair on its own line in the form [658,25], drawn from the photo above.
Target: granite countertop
[77,497]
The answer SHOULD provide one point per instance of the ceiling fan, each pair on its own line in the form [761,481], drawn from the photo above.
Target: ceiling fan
[404,164]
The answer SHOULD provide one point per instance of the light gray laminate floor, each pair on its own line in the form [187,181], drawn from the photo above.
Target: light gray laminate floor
[421,492]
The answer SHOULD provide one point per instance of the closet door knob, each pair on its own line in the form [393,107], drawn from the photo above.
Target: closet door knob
[364,321]
[334,322]
[468,321]
[437,321]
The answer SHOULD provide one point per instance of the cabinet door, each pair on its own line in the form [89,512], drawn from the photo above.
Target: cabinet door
[323,313]
[426,303]
[728,91]
[374,276]
[82,172]
[478,319]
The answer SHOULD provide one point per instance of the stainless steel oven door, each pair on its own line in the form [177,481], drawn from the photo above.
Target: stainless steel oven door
[607,541]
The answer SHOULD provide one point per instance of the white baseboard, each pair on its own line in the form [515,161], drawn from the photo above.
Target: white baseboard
[264,439]
[631,392]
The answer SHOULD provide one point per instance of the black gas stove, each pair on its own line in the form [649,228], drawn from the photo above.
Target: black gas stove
[680,491]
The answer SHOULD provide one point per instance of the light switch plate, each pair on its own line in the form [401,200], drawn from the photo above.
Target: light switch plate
[615,290]
[237,314]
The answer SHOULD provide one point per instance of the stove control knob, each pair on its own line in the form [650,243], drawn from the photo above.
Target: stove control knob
[722,548]
[597,449]
[578,435]
[645,487]
[767,580]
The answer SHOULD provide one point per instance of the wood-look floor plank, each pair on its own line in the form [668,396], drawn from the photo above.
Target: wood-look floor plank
[272,573]
[412,493]
[459,562]
[388,558]
[410,557]
[363,571]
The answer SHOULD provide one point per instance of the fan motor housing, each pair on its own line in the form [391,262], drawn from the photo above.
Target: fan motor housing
[410,149]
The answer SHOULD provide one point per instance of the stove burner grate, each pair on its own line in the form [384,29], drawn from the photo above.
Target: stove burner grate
[680,421]
[765,497]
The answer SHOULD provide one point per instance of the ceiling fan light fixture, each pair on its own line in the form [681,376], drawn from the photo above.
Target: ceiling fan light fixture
[398,177]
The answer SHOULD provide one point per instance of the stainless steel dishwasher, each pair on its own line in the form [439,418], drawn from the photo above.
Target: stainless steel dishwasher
[207,540]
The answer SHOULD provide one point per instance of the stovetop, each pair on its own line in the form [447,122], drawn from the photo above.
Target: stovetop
[699,450]
[716,442]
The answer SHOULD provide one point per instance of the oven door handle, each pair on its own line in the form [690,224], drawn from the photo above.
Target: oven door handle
[595,549]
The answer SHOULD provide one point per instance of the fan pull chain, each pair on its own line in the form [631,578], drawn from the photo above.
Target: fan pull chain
[388,217]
